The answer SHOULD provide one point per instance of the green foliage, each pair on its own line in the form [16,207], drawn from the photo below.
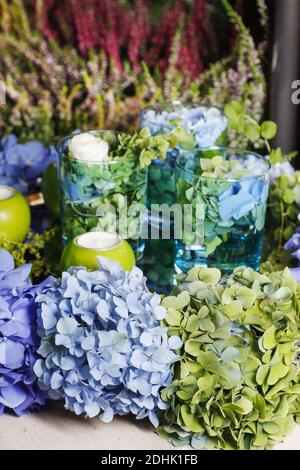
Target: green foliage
[89,189]
[284,193]
[259,134]
[284,206]
[237,384]
[39,251]
[212,180]
[141,148]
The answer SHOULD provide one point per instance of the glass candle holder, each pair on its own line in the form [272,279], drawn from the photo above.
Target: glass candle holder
[15,215]
[208,125]
[224,199]
[102,195]
[85,249]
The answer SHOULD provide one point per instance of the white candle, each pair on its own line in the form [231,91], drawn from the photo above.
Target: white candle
[85,249]
[88,147]
[6,192]
[98,240]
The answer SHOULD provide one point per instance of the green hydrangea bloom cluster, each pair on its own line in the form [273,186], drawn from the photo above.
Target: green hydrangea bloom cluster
[237,384]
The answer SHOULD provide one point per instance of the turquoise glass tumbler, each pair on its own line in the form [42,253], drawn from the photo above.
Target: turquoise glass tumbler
[223,193]
[206,124]
[101,195]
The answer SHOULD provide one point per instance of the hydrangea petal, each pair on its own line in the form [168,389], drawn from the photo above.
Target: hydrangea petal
[12,396]
[6,261]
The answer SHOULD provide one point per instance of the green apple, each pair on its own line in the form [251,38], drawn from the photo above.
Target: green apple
[84,249]
[50,189]
[14,215]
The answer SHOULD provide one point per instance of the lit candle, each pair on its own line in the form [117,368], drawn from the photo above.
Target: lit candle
[14,215]
[84,249]
[88,147]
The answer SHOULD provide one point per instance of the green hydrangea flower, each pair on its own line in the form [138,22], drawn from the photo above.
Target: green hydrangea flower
[237,384]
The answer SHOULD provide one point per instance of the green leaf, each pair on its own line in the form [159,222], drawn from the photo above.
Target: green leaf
[193,323]
[192,347]
[185,395]
[283,294]
[230,354]
[211,246]
[246,296]
[269,341]
[174,317]
[268,130]
[183,299]
[252,132]
[190,420]
[205,382]
[207,275]
[271,427]
[233,110]
[207,359]
[261,438]
[276,156]
[260,404]
[262,374]
[193,366]
[245,405]
[277,372]
[210,275]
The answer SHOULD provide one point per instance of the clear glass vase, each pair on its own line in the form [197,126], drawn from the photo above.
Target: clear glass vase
[107,195]
[225,218]
[207,124]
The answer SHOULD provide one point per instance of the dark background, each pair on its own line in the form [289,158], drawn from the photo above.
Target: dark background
[282,67]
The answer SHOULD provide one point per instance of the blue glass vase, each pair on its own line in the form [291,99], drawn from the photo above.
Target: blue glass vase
[101,195]
[207,124]
[226,219]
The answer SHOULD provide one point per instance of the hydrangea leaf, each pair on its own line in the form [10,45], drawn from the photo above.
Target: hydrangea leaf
[174,317]
[262,374]
[269,340]
[245,405]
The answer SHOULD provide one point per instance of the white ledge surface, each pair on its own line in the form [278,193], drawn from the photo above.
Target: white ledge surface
[57,429]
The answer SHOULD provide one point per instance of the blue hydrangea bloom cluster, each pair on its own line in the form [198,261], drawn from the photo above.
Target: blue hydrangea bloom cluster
[293,246]
[21,164]
[18,339]
[102,346]
[206,123]
[278,169]
[241,197]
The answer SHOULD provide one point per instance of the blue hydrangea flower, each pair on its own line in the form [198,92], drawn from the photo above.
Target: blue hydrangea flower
[102,346]
[206,123]
[293,244]
[278,169]
[241,197]
[296,274]
[21,164]
[18,339]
